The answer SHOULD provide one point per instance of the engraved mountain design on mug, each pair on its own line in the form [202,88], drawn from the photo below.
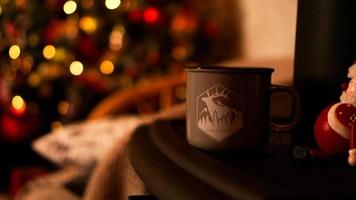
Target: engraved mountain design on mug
[219,112]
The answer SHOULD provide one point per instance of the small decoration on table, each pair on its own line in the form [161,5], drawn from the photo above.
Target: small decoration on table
[335,127]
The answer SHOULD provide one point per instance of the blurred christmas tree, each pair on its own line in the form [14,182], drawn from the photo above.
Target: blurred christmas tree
[58,58]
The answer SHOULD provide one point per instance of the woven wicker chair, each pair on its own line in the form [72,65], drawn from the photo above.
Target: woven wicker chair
[159,89]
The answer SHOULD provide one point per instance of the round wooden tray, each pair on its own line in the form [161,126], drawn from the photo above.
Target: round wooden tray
[172,169]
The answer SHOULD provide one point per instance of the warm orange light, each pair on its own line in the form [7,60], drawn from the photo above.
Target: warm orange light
[18,105]
[107,67]
[116,40]
[14,51]
[180,53]
[183,23]
[71,29]
[60,55]
[63,107]
[49,51]
[88,24]
[56,125]
[87,3]
[178,24]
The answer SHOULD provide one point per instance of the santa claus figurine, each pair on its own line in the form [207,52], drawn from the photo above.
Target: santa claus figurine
[335,127]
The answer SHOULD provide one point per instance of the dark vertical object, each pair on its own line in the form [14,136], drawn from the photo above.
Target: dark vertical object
[325,48]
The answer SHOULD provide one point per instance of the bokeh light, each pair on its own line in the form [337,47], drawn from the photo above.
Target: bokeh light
[88,24]
[27,64]
[180,53]
[107,67]
[14,51]
[112,4]
[76,68]
[56,125]
[71,29]
[87,3]
[116,38]
[61,54]
[151,15]
[49,51]
[34,79]
[63,107]
[18,104]
[70,7]
[183,23]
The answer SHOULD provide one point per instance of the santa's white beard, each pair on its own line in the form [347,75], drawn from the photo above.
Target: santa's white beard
[345,98]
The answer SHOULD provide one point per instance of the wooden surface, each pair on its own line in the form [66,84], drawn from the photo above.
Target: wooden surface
[272,174]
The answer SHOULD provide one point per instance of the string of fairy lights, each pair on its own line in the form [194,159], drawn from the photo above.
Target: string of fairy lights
[119,43]
[89,25]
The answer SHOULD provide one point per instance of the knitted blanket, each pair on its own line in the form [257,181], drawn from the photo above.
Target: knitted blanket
[113,177]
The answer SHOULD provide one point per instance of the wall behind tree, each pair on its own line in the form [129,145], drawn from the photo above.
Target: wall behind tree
[267,28]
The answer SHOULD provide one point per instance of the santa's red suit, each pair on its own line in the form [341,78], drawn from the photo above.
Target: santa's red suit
[335,127]
[332,128]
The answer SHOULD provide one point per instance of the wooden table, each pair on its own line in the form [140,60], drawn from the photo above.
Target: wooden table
[172,169]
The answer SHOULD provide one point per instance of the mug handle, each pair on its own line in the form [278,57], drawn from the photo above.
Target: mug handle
[296,109]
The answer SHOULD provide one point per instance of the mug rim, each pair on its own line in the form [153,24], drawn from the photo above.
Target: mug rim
[222,68]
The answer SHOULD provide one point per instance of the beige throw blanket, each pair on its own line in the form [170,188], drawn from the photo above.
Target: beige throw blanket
[113,177]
